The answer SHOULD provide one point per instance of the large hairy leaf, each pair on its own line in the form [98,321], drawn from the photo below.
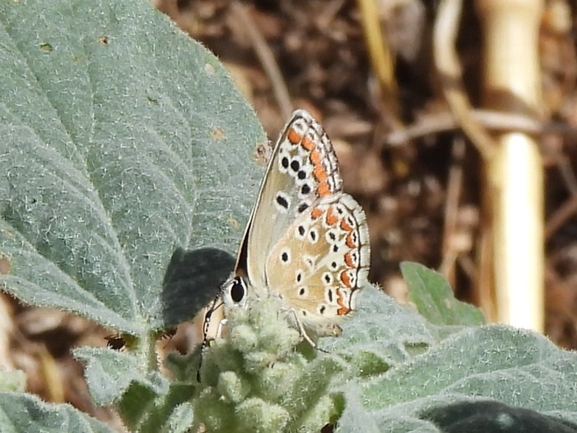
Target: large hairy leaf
[123,141]
[27,413]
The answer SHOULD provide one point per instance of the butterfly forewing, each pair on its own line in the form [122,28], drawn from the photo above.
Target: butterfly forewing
[303,169]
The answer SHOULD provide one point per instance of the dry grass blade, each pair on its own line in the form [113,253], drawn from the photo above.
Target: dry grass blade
[492,120]
[449,70]
[513,189]
[266,58]
[450,253]
[382,61]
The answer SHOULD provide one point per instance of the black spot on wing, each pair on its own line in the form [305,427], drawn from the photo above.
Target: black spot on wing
[282,201]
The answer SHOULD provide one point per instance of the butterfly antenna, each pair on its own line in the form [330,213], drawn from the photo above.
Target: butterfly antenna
[215,304]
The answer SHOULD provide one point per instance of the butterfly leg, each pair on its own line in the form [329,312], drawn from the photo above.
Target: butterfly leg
[304,334]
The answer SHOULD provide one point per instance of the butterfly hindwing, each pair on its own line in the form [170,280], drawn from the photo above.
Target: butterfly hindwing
[321,262]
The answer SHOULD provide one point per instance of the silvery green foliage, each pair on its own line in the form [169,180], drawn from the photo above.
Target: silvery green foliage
[122,141]
[392,369]
[257,379]
[124,145]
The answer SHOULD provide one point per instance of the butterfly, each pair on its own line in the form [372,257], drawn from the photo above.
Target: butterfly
[306,241]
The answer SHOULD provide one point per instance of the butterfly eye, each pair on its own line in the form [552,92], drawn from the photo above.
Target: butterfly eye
[234,291]
[237,291]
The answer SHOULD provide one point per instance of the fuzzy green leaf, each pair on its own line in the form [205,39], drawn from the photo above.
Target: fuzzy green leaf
[256,380]
[146,401]
[22,413]
[169,412]
[122,140]
[380,335]
[434,298]
[180,419]
[496,363]
[110,373]
[388,371]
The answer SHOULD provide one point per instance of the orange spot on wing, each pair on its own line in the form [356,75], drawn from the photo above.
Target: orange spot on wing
[319,173]
[341,302]
[316,213]
[293,136]
[345,225]
[351,240]
[331,218]
[345,278]
[349,260]
[315,158]
[308,144]
[324,189]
